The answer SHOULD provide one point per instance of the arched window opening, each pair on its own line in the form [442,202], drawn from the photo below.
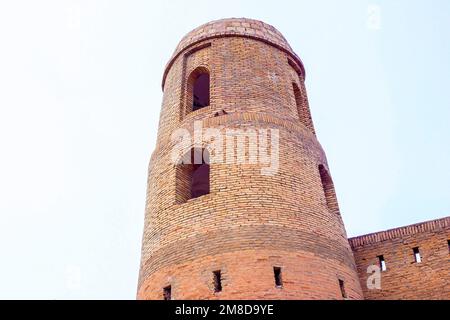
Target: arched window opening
[201,92]
[192,175]
[198,90]
[299,103]
[328,190]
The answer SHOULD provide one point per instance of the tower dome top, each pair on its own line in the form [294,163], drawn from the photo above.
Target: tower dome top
[237,27]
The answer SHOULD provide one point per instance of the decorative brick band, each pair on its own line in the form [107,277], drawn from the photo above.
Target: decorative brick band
[370,238]
[254,237]
[242,117]
[235,27]
[259,118]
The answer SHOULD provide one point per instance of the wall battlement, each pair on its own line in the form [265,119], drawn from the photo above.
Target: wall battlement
[360,241]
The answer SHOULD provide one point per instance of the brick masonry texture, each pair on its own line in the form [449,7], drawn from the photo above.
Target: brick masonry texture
[234,27]
[249,223]
[404,278]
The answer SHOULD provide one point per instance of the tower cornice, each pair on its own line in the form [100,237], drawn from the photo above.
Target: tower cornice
[233,27]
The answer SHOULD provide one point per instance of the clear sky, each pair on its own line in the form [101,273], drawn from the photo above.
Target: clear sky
[80,97]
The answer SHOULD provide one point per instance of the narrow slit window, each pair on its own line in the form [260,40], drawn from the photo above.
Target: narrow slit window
[417,257]
[382,263]
[448,245]
[217,281]
[167,293]
[342,287]
[277,275]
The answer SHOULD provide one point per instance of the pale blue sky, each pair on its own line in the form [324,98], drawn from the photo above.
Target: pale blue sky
[80,97]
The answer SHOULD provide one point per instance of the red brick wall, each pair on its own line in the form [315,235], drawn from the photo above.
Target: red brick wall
[404,278]
[249,222]
[248,274]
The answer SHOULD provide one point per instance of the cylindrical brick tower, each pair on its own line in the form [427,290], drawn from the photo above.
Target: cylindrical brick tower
[259,218]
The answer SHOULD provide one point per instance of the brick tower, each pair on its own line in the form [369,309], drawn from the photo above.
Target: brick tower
[245,208]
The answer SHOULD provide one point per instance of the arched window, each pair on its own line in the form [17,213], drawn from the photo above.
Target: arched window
[201,92]
[200,180]
[198,89]
[328,190]
[192,175]
[299,103]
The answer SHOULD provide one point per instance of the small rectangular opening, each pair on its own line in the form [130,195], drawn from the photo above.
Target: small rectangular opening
[217,281]
[278,279]
[417,257]
[342,287]
[382,263]
[167,293]
[448,244]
